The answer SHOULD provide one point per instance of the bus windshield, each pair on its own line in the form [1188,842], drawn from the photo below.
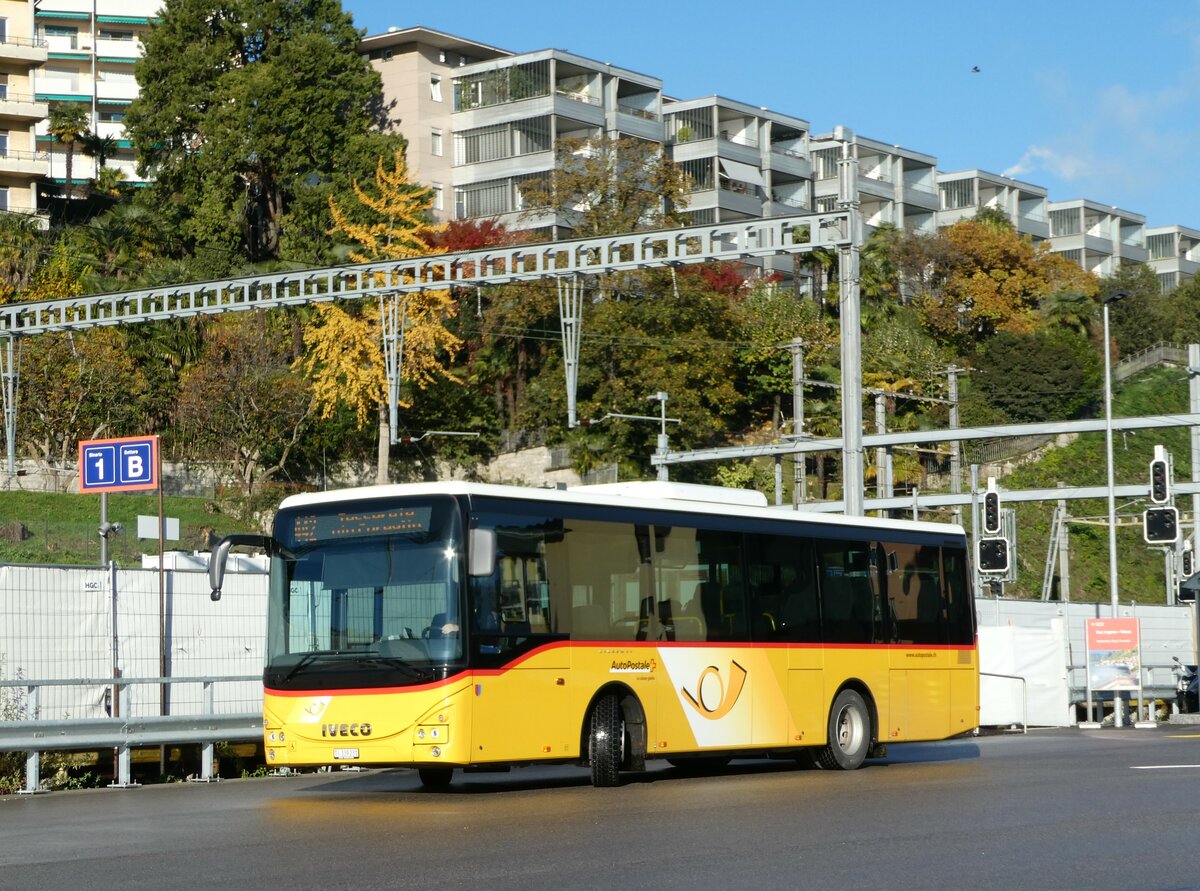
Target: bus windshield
[370,588]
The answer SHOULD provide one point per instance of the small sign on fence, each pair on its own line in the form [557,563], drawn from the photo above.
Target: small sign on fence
[148,527]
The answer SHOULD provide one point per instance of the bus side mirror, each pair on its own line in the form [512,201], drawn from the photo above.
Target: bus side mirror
[483,552]
[220,555]
[216,567]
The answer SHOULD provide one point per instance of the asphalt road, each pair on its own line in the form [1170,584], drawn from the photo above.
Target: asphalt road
[1054,809]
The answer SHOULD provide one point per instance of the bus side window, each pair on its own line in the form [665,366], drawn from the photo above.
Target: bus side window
[848,592]
[722,591]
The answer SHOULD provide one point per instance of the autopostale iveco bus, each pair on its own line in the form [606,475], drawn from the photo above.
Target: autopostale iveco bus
[456,625]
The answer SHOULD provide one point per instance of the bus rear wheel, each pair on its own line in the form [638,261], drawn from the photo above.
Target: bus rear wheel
[849,733]
[606,741]
[435,777]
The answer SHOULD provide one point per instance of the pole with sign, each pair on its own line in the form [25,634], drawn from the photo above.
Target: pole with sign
[129,464]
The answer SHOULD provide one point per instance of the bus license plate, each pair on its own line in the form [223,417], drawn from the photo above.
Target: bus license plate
[345,754]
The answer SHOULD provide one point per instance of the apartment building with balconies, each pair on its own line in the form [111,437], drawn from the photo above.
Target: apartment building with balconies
[510,112]
[1098,237]
[964,193]
[22,163]
[745,161]
[417,67]
[896,186]
[1174,254]
[92,47]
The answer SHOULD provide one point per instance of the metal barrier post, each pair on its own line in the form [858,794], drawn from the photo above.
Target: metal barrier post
[124,758]
[33,757]
[206,750]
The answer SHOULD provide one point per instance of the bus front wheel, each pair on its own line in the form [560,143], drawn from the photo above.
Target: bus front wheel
[606,741]
[849,733]
[435,777]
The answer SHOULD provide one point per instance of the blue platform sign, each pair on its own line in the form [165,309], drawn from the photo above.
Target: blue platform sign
[118,465]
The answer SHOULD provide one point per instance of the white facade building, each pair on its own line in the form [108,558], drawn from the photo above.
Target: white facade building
[92,46]
[22,162]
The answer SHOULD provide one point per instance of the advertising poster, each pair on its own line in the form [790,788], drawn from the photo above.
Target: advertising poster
[1114,654]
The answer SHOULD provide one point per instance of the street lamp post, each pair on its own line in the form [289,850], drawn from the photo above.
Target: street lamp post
[1108,453]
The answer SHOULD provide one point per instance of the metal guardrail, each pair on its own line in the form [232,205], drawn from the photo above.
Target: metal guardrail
[125,733]
[1024,694]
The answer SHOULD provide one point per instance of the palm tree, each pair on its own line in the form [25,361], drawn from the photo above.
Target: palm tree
[101,148]
[68,124]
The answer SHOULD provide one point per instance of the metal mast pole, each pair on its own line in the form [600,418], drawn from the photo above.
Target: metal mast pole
[799,460]
[570,315]
[9,369]
[851,328]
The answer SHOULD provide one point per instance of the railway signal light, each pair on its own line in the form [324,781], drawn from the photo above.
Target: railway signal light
[993,555]
[1160,525]
[991,509]
[1160,477]
[1187,561]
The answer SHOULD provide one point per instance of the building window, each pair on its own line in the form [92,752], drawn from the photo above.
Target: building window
[435,142]
[1064,222]
[1167,281]
[110,34]
[1161,246]
[700,171]
[60,34]
[435,87]
[438,201]
[3,197]
[957,193]
[111,117]
[502,141]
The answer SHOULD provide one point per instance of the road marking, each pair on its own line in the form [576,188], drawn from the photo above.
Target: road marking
[1163,766]
[1183,736]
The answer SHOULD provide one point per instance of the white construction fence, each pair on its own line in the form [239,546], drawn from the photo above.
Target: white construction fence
[59,623]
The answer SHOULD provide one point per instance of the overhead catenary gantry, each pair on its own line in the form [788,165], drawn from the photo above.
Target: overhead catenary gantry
[568,262]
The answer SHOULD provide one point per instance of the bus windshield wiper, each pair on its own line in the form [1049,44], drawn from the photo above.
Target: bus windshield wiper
[308,659]
[396,662]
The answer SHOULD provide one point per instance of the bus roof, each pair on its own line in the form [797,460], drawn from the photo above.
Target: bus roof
[653,495]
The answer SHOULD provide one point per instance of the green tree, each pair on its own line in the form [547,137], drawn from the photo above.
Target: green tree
[1040,376]
[241,401]
[68,125]
[1137,320]
[1181,312]
[605,185]
[246,109]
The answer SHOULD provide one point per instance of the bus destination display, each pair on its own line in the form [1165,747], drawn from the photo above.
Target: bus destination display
[395,521]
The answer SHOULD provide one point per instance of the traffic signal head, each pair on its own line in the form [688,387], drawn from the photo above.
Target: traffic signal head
[1160,481]
[993,555]
[1187,563]
[1160,525]
[991,513]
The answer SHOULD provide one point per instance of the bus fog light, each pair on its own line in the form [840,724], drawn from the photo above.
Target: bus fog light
[436,752]
[271,755]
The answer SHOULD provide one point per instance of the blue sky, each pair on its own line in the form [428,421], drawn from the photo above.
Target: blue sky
[1097,100]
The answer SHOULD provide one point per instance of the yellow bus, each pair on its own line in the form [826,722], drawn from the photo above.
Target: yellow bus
[446,626]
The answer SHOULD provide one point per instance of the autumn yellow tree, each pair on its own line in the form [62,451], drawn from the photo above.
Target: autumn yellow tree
[987,278]
[387,220]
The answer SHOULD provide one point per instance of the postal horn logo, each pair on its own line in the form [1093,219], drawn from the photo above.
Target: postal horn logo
[714,697]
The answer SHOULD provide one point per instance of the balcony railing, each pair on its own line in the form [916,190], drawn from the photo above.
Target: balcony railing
[578,96]
[25,98]
[739,139]
[636,112]
[34,42]
[789,152]
[19,155]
